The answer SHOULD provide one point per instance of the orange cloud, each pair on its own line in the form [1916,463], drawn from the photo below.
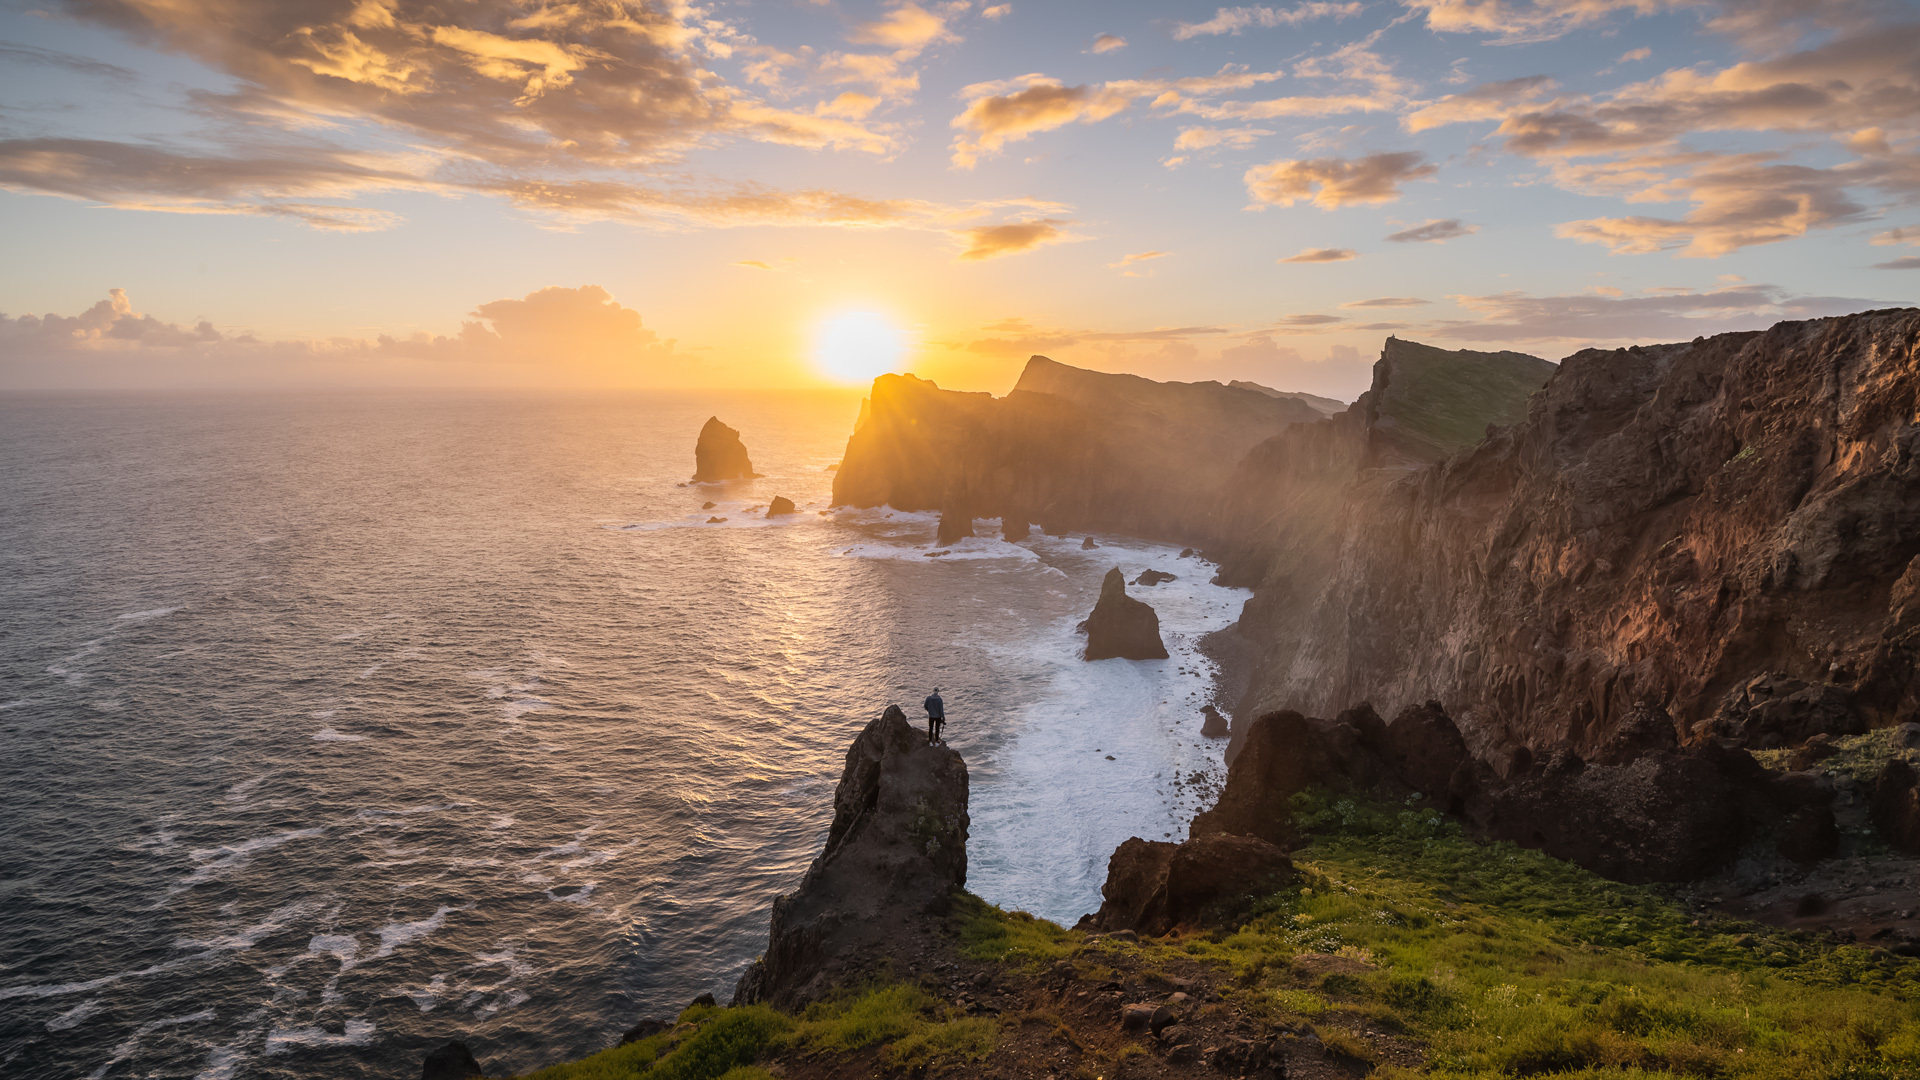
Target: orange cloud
[1517,21]
[1330,183]
[993,119]
[993,241]
[1322,255]
[1235,19]
[1434,231]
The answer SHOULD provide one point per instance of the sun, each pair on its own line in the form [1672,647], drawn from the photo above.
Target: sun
[856,346]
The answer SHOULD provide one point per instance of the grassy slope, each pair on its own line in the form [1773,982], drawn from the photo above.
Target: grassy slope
[1408,941]
[1447,401]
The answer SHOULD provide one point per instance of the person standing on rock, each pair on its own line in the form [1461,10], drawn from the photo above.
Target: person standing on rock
[936,716]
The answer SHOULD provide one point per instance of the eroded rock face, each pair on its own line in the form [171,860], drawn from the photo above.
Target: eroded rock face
[956,523]
[1896,806]
[780,505]
[1212,724]
[1014,528]
[894,855]
[1121,626]
[1153,887]
[720,455]
[1666,523]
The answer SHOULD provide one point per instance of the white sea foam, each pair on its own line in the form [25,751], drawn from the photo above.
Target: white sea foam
[330,735]
[427,998]
[395,935]
[241,791]
[75,1016]
[355,1033]
[125,1050]
[578,896]
[228,856]
[342,947]
[150,613]
[223,1062]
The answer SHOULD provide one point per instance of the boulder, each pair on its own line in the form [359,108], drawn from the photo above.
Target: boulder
[1285,753]
[780,505]
[1896,806]
[452,1061]
[1152,577]
[708,505]
[1153,887]
[955,524]
[894,856]
[643,1029]
[1121,626]
[716,520]
[1817,749]
[720,455]
[1425,750]
[1014,527]
[1647,729]
[1088,544]
[1214,725]
[1772,711]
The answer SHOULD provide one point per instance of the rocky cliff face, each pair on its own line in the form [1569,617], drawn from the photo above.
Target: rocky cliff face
[1073,450]
[895,855]
[1664,526]
[720,455]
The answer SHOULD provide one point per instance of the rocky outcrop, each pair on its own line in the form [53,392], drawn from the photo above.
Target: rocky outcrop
[1153,887]
[1666,524]
[1212,724]
[1014,528]
[720,455]
[1659,814]
[895,855]
[956,524]
[1325,406]
[1121,626]
[1152,577]
[451,1061]
[1896,806]
[1074,450]
[781,505]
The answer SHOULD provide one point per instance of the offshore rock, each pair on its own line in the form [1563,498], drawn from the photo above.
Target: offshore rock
[894,856]
[1212,724]
[1076,451]
[956,523]
[1152,577]
[1153,887]
[720,455]
[452,1061]
[1121,626]
[1013,528]
[780,505]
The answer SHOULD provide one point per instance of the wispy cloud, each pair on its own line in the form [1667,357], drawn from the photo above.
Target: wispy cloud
[993,241]
[1232,20]
[1321,255]
[1387,301]
[1434,231]
[1107,43]
[1129,260]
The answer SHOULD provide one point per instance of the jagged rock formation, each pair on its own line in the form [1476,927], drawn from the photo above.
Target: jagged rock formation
[1666,524]
[720,455]
[1121,626]
[1213,725]
[1074,450]
[895,854]
[1153,886]
[1653,812]
[451,1061]
[1014,528]
[956,523]
[1896,806]
[780,505]
[1152,577]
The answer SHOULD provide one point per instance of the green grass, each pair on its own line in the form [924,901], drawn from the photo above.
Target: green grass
[1505,962]
[909,1026]
[991,935]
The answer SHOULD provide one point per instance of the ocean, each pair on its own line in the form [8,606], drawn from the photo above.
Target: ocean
[335,726]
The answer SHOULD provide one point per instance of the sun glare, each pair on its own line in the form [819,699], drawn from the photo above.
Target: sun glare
[856,346]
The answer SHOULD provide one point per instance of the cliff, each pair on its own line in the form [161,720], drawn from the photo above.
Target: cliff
[1669,524]
[1073,450]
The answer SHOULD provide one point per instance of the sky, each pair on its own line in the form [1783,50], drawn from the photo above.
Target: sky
[593,194]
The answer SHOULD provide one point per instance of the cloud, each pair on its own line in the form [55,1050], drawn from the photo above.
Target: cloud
[1435,231]
[552,334]
[756,264]
[993,118]
[1129,260]
[997,11]
[1739,202]
[1488,101]
[1906,234]
[1321,255]
[14,53]
[1654,315]
[993,241]
[1330,182]
[1905,262]
[1521,21]
[908,26]
[1308,321]
[1235,19]
[1632,55]
[1107,43]
[1387,301]
[1197,138]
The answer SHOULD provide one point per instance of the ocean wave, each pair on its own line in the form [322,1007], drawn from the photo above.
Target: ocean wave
[354,1033]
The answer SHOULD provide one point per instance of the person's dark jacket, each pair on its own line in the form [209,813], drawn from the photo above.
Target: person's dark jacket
[936,709]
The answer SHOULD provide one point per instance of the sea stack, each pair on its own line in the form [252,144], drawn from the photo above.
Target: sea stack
[1122,626]
[720,455]
[956,523]
[1014,528]
[780,505]
[895,856]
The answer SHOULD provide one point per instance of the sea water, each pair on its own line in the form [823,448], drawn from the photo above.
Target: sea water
[332,727]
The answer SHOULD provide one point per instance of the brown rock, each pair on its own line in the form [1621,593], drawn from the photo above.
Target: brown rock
[1153,887]
[1896,807]
[720,455]
[451,1061]
[1213,725]
[1014,527]
[1152,577]
[780,505]
[1121,626]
